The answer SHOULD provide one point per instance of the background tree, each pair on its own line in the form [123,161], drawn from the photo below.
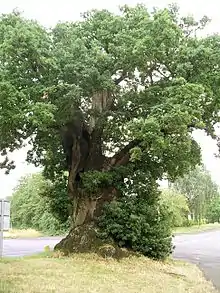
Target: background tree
[177,205]
[213,210]
[31,209]
[199,189]
[125,91]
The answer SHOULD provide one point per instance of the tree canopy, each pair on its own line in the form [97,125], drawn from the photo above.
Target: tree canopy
[125,91]
[170,85]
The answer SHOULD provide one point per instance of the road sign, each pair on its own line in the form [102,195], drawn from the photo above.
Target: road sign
[4,220]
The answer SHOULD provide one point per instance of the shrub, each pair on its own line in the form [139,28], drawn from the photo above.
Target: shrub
[136,224]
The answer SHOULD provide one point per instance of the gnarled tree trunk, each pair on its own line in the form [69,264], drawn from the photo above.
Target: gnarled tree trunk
[83,234]
[85,211]
[86,208]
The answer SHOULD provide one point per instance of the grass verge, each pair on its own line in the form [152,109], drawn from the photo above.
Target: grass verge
[28,233]
[196,228]
[87,273]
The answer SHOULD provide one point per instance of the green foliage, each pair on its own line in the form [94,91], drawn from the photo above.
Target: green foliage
[142,224]
[93,181]
[24,58]
[170,88]
[199,189]
[177,204]
[213,210]
[167,92]
[56,196]
[30,209]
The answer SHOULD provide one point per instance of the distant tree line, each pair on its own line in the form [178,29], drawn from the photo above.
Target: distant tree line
[31,208]
[201,194]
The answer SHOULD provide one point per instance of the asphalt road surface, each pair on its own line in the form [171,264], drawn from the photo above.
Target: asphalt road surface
[23,247]
[202,249]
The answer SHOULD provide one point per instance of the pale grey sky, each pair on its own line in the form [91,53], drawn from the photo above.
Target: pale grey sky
[50,12]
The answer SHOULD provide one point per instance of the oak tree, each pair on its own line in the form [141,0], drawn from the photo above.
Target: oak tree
[120,93]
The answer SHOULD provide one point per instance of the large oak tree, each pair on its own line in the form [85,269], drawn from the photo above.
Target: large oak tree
[122,93]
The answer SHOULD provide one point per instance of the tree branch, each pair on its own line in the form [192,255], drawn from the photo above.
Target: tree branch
[122,157]
[121,78]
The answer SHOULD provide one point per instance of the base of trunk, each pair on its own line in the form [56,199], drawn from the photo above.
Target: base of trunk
[84,239]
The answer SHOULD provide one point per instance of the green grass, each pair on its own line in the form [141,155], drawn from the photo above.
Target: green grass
[196,228]
[18,233]
[89,273]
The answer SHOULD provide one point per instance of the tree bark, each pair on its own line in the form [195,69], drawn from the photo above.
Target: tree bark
[83,208]
[86,208]
[83,233]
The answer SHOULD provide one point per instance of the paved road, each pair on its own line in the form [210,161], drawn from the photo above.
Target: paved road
[202,249]
[22,247]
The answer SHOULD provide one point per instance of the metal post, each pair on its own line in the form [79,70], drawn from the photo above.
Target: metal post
[1,226]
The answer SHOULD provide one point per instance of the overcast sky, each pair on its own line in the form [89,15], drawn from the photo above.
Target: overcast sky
[49,13]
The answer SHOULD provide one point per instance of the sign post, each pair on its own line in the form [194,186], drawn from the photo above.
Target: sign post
[4,221]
